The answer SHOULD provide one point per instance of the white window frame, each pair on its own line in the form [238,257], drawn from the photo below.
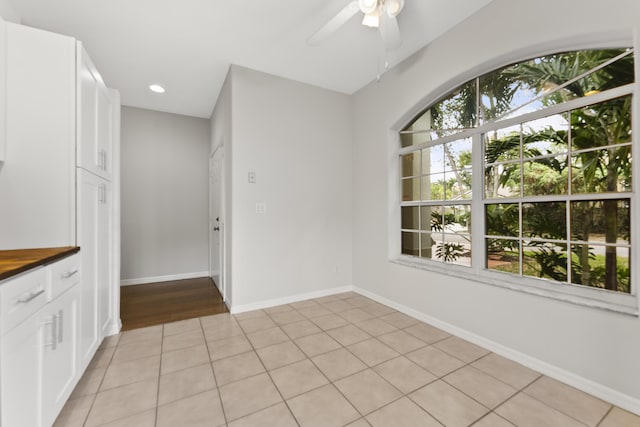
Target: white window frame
[573,293]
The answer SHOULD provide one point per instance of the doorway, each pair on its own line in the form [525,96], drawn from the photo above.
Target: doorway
[216,219]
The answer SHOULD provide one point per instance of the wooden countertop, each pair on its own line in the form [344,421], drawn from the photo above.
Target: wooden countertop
[13,262]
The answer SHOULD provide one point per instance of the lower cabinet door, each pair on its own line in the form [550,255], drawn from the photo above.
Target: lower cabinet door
[21,378]
[58,321]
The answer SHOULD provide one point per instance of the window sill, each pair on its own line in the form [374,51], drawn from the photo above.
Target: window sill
[573,294]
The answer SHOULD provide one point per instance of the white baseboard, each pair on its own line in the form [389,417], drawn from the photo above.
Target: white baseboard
[235,309]
[603,392]
[145,280]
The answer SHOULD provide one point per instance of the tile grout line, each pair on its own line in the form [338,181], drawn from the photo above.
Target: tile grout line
[206,344]
[605,416]
[95,396]
[155,419]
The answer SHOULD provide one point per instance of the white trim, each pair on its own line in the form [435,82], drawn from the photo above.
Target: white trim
[235,309]
[169,278]
[614,302]
[114,328]
[603,392]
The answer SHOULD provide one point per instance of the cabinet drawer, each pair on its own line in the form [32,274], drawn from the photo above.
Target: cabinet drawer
[64,274]
[21,297]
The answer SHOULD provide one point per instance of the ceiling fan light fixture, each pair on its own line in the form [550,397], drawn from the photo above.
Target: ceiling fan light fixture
[371,19]
[393,7]
[368,6]
[156,88]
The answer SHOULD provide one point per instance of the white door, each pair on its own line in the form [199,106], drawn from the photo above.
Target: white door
[216,222]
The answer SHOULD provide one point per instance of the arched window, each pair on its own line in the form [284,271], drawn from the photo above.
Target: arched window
[527,171]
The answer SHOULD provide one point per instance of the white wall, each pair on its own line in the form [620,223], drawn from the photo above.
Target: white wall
[297,139]
[8,12]
[164,166]
[595,349]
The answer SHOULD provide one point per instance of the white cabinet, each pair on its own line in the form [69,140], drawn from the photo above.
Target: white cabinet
[96,138]
[21,349]
[58,321]
[37,180]
[94,118]
[22,375]
[38,348]
[3,89]
[94,230]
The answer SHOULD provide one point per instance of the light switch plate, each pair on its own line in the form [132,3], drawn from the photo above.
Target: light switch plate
[261,208]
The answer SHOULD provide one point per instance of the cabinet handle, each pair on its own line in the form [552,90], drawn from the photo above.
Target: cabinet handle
[69,273]
[60,324]
[54,332]
[102,160]
[30,297]
[101,194]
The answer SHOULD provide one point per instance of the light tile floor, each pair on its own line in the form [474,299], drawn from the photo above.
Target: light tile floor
[341,360]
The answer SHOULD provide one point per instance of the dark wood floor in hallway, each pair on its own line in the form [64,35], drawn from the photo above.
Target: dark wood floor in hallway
[156,303]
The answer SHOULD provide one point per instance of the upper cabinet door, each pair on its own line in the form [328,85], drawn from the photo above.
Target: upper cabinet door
[105,132]
[94,118]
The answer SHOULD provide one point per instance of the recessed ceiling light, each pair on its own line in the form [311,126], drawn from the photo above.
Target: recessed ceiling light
[156,88]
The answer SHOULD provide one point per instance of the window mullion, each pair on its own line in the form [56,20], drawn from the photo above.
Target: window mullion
[478,248]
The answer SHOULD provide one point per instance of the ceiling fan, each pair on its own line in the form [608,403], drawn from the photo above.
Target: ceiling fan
[379,14]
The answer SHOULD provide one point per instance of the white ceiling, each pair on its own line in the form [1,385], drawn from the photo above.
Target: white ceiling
[187,45]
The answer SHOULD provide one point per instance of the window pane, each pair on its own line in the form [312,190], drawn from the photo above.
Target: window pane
[455,112]
[458,185]
[602,171]
[457,219]
[502,220]
[410,164]
[411,217]
[455,249]
[429,242]
[547,220]
[457,154]
[410,189]
[601,267]
[507,92]
[598,125]
[502,180]
[502,145]
[433,160]
[410,243]
[545,176]
[503,255]
[549,135]
[408,139]
[546,260]
[432,218]
[601,221]
[433,187]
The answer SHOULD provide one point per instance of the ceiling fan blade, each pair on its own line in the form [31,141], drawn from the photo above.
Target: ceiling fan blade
[390,32]
[334,23]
